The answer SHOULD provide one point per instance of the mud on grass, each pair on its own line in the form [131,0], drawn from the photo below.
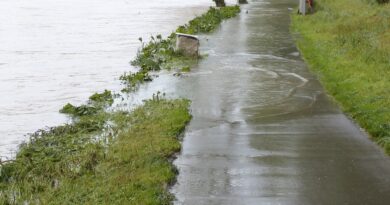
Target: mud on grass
[348,46]
[79,164]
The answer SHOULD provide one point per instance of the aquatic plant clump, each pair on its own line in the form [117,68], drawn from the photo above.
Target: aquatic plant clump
[133,80]
[104,98]
[79,110]
[69,165]
[348,45]
[154,54]
[97,102]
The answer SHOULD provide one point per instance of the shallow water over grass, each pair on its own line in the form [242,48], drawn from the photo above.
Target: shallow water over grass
[55,52]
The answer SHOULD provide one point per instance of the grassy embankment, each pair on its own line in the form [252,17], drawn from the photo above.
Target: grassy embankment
[83,163]
[348,45]
[108,157]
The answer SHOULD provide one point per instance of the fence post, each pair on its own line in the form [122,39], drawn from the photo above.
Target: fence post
[302,7]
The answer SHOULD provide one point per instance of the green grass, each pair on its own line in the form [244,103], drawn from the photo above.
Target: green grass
[128,165]
[348,45]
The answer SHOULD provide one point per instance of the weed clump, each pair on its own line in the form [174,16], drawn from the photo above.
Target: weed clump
[97,102]
[77,111]
[156,53]
[133,80]
[104,98]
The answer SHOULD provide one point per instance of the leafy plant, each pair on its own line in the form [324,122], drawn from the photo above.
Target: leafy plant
[78,111]
[105,98]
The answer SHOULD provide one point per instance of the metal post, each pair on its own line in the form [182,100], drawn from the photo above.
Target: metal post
[302,7]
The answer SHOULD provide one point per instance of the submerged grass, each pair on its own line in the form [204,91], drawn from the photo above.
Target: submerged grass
[348,45]
[160,53]
[70,165]
[209,21]
[97,103]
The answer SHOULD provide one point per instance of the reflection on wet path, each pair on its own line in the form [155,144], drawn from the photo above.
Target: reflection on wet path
[263,131]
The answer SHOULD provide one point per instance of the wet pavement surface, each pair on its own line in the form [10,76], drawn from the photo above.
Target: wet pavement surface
[263,130]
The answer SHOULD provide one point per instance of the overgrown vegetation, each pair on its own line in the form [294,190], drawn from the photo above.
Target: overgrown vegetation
[160,53]
[89,163]
[348,45]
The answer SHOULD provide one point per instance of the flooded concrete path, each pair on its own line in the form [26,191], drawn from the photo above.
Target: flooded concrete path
[263,130]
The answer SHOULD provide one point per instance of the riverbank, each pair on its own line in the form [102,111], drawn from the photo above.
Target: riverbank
[105,156]
[127,162]
[70,50]
[348,46]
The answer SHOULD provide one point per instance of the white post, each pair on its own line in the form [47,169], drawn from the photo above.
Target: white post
[302,7]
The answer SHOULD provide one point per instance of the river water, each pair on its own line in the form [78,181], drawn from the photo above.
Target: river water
[55,52]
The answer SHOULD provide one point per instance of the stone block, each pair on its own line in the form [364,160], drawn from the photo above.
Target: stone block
[187,44]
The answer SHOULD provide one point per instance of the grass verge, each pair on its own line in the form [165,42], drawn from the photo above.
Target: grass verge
[348,46]
[79,164]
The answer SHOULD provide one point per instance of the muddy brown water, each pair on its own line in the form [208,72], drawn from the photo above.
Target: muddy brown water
[264,131]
